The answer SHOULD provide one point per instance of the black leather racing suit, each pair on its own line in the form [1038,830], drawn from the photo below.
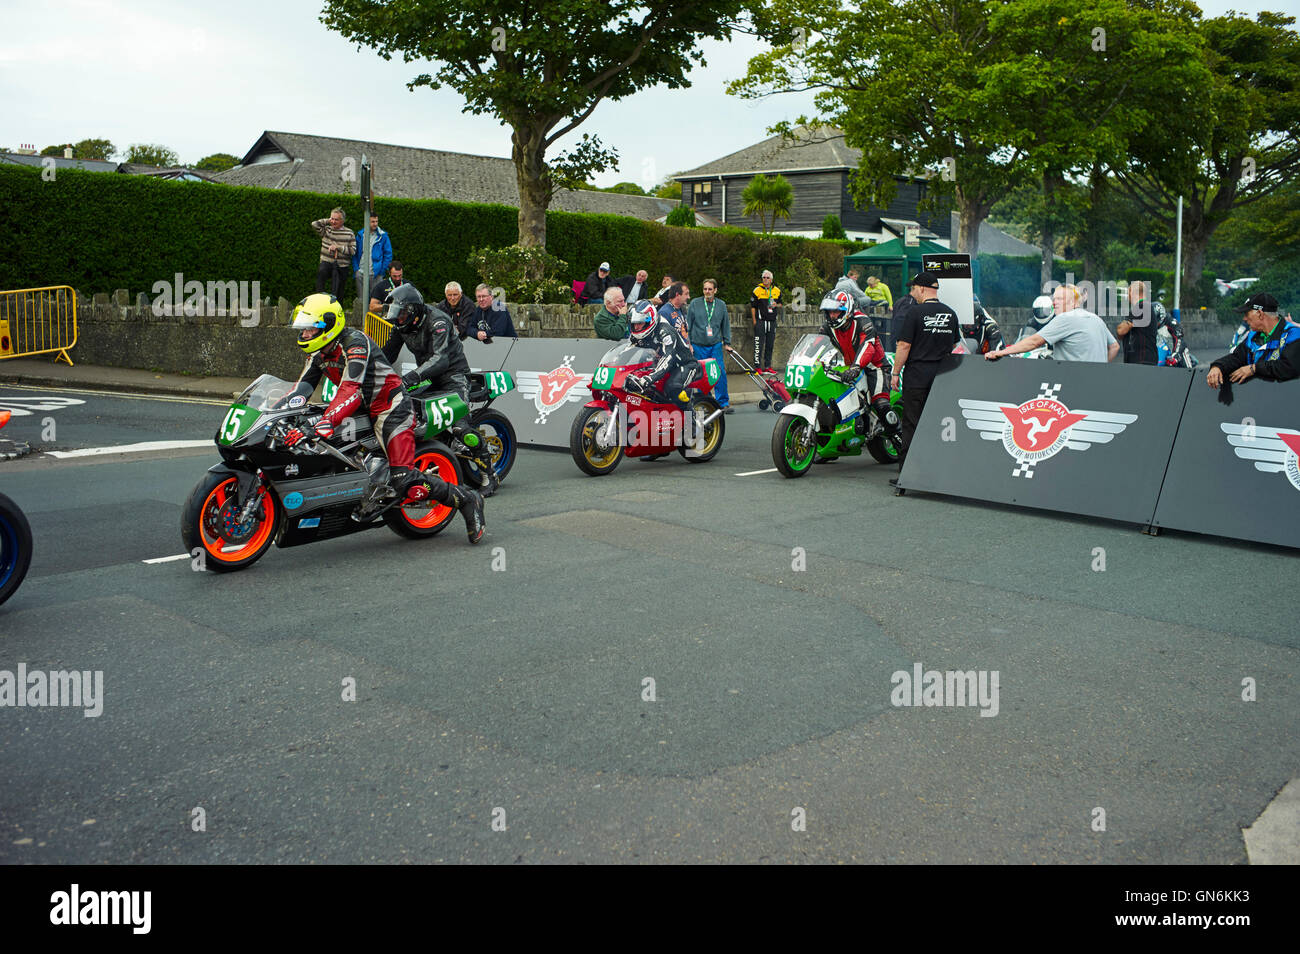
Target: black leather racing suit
[440,360]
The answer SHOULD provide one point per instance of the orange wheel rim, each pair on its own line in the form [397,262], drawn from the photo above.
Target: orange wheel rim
[233,553]
[434,465]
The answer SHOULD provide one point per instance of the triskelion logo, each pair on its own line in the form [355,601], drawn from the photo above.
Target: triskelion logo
[1271,449]
[552,389]
[1041,428]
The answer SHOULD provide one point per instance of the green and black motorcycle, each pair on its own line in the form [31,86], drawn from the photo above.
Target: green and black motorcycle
[826,417]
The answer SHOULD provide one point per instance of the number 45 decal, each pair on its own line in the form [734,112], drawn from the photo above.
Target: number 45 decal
[440,413]
[230,426]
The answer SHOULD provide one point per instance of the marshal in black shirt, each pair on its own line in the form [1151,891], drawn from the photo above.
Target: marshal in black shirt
[932,329]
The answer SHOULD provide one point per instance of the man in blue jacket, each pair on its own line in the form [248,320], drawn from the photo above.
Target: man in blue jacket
[490,319]
[381,253]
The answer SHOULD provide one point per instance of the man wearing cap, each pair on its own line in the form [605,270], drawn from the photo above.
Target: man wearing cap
[1271,352]
[598,282]
[927,335]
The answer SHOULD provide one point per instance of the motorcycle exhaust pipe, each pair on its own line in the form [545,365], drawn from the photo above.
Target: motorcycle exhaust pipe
[712,417]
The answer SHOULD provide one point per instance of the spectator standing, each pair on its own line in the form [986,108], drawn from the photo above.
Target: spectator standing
[598,283]
[1075,334]
[849,283]
[1139,330]
[337,245]
[928,334]
[458,307]
[382,286]
[709,330]
[635,287]
[491,319]
[611,321]
[381,253]
[878,291]
[674,301]
[1271,352]
[764,306]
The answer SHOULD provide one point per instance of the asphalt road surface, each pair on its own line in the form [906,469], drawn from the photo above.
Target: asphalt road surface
[503,715]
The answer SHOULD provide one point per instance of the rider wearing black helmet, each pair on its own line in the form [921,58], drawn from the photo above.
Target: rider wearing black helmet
[431,335]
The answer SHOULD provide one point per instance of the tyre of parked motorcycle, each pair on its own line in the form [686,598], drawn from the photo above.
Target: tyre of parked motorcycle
[204,527]
[15,547]
[590,458]
[435,459]
[713,432]
[882,449]
[794,445]
[500,436]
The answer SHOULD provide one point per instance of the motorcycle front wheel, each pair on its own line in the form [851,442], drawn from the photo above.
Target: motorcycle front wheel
[209,524]
[587,454]
[794,444]
[15,547]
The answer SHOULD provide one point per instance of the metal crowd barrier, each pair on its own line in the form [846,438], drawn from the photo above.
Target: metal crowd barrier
[38,321]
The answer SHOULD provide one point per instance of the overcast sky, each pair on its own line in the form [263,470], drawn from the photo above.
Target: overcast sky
[211,77]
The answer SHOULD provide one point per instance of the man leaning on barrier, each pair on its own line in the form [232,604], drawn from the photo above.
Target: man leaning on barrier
[1271,352]
[1075,334]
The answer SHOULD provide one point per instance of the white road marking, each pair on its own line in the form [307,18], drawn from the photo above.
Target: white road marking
[22,407]
[130,395]
[129,448]
[751,473]
[170,559]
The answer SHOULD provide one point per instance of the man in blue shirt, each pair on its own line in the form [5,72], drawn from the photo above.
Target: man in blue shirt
[674,300]
[709,329]
[381,253]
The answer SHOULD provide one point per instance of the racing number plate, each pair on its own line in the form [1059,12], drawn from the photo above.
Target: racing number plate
[603,379]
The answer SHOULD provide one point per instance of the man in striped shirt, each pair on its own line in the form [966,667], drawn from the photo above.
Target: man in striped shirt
[337,246]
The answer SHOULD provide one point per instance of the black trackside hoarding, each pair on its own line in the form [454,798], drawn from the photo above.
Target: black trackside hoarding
[1235,470]
[1075,437]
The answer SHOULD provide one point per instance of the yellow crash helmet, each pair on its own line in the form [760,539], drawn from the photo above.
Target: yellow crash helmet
[319,320]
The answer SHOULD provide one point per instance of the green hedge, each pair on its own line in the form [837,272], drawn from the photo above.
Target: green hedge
[102,231]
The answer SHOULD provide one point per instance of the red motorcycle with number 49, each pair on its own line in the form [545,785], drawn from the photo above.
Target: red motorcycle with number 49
[618,422]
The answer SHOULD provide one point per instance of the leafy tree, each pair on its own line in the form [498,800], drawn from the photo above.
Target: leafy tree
[683,216]
[626,188]
[765,197]
[101,149]
[217,162]
[832,228]
[54,150]
[149,154]
[669,190]
[1241,146]
[541,68]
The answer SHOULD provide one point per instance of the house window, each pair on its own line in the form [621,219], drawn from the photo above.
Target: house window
[703,192]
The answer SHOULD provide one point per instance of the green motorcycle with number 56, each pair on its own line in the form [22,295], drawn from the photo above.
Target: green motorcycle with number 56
[826,417]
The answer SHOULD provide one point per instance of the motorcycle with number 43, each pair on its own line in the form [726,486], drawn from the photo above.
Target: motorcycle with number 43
[15,541]
[263,492]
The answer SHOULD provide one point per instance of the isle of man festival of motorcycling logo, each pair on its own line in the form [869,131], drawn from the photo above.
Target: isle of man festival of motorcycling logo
[1040,428]
[551,390]
[1272,449]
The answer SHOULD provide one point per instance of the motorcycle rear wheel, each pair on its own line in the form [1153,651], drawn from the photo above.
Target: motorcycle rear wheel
[882,449]
[15,547]
[500,436]
[587,455]
[436,459]
[203,525]
[702,407]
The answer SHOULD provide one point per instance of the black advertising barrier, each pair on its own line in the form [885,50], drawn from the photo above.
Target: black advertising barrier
[551,384]
[1075,437]
[1235,470]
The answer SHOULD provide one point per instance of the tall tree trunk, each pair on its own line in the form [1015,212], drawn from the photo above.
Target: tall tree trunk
[971,212]
[529,154]
[1052,181]
[1093,252]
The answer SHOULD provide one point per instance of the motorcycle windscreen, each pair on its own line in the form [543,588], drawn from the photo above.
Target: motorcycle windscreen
[625,353]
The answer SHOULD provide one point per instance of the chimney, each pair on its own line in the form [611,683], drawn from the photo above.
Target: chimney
[26,149]
[67,152]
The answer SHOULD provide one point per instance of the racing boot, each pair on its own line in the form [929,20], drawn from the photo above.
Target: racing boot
[893,426]
[410,485]
[470,443]
[470,504]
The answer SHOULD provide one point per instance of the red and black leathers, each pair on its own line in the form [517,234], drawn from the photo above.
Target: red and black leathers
[861,347]
[366,382]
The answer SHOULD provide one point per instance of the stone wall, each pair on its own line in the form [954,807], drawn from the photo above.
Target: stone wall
[118,331]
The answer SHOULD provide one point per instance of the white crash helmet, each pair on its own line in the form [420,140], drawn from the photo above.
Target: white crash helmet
[1042,309]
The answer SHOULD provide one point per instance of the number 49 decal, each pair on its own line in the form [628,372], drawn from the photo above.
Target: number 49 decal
[604,375]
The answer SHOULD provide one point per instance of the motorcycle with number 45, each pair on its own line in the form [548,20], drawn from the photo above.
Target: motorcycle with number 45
[15,541]
[263,492]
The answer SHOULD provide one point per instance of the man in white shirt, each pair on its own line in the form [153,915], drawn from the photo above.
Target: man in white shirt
[1075,334]
[635,287]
